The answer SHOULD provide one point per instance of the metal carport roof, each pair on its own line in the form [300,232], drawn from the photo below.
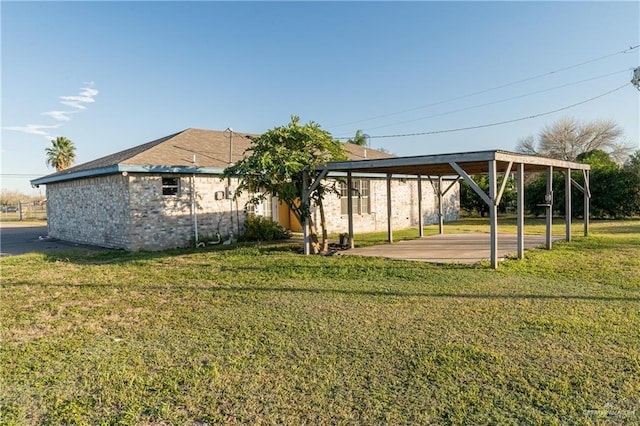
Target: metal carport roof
[440,164]
[463,165]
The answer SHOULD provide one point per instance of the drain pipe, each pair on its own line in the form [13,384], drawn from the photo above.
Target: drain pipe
[229,131]
[193,201]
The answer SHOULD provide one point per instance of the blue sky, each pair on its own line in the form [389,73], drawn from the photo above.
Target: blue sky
[112,75]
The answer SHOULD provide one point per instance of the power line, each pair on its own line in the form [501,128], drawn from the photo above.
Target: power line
[529,117]
[499,100]
[491,89]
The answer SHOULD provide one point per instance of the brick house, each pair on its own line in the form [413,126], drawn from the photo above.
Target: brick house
[161,194]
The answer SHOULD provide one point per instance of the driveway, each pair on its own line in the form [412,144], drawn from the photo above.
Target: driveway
[16,238]
[466,248]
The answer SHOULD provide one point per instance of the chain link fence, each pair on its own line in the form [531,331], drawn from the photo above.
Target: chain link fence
[24,211]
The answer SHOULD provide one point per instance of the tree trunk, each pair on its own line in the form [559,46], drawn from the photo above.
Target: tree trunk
[323,225]
[314,244]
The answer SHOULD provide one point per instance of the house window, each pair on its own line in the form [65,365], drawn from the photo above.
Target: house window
[267,208]
[360,194]
[170,185]
[263,208]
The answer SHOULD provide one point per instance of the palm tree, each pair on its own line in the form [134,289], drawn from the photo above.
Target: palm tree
[360,138]
[61,154]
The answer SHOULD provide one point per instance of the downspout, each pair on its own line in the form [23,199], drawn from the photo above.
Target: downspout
[229,130]
[193,201]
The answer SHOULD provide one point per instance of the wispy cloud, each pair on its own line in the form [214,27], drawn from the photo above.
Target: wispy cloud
[86,96]
[34,129]
[78,102]
[58,115]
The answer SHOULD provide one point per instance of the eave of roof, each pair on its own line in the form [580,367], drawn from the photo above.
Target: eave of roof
[126,168]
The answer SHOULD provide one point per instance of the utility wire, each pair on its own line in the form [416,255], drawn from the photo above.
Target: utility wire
[529,117]
[492,88]
[499,100]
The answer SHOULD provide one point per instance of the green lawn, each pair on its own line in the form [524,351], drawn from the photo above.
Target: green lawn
[267,336]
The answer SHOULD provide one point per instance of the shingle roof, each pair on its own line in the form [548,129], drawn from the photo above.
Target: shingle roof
[210,147]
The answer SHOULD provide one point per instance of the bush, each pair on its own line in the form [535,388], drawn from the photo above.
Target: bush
[258,228]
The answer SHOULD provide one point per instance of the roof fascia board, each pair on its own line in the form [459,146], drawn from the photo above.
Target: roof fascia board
[539,161]
[126,168]
[75,175]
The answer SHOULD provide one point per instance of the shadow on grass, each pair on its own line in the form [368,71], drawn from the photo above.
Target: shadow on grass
[110,256]
[328,291]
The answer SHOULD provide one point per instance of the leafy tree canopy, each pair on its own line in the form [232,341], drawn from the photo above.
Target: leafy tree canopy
[633,163]
[275,163]
[615,190]
[470,201]
[598,159]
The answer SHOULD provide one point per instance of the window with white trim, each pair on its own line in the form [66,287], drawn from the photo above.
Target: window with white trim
[263,208]
[360,195]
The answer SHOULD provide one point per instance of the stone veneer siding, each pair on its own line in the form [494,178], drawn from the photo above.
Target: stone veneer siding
[166,221]
[90,211]
[404,208]
[130,212]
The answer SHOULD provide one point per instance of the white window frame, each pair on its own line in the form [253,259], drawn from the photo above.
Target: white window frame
[174,189]
[264,208]
[360,194]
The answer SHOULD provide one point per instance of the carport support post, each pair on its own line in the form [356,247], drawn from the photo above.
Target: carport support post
[389,231]
[549,207]
[493,213]
[520,208]
[440,212]
[587,196]
[350,208]
[567,204]
[420,224]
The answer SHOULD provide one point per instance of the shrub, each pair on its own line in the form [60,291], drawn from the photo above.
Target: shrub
[258,228]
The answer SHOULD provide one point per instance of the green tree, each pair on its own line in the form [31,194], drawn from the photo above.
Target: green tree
[360,138]
[470,201]
[633,163]
[61,154]
[615,190]
[631,176]
[275,166]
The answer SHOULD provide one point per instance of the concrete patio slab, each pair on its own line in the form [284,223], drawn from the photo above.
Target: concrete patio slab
[468,248]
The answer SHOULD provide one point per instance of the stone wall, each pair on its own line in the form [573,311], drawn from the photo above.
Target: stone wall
[166,221]
[90,211]
[130,212]
[404,209]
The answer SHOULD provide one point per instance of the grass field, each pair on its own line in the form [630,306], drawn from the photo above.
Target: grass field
[264,335]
